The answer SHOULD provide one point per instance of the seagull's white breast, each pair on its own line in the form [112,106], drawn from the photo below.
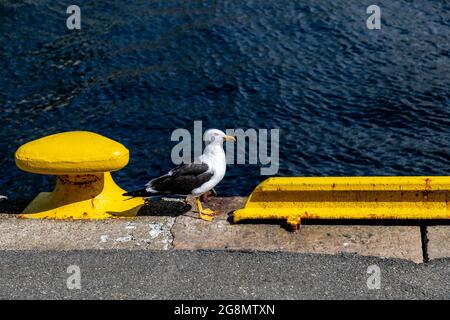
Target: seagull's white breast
[214,157]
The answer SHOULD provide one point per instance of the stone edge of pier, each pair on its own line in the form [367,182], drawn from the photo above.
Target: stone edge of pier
[170,224]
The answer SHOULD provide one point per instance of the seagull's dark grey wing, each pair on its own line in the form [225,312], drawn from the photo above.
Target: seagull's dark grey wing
[182,179]
[189,169]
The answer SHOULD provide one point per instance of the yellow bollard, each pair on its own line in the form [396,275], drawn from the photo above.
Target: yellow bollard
[82,162]
[299,198]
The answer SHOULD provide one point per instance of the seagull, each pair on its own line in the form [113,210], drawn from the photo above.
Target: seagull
[194,178]
[3,198]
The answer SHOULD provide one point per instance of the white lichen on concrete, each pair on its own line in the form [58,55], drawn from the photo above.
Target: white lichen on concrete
[125,239]
[141,233]
[155,229]
[173,199]
[130,226]
[167,242]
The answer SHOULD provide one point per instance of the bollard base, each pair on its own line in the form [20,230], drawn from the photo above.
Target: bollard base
[93,196]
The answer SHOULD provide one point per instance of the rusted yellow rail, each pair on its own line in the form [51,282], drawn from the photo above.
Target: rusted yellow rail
[299,198]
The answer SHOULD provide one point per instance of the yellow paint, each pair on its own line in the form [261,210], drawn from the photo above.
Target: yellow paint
[299,198]
[72,152]
[82,162]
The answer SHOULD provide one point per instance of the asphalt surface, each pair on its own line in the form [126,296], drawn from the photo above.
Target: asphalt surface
[215,275]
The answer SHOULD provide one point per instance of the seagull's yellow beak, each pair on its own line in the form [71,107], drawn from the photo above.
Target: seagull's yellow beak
[229,138]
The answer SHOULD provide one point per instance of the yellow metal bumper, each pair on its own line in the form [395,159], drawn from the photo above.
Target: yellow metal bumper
[296,198]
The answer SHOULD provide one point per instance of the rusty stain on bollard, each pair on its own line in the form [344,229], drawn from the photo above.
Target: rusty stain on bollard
[296,198]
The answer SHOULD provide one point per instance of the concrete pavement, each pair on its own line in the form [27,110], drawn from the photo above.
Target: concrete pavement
[438,241]
[389,241]
[171,223]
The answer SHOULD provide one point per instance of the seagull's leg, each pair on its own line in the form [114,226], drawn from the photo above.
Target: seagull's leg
[204,214]
[186,202]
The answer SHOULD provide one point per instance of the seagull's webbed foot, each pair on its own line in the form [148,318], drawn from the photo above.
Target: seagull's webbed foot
[206,217]
[204,214]
[209,212]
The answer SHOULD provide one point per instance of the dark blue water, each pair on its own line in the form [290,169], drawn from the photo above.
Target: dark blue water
[348,100]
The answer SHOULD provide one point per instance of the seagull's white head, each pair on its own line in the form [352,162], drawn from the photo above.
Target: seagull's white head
[215,136]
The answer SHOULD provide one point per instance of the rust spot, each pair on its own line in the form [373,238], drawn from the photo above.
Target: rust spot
[427,188]
[427,184]
[80,180]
